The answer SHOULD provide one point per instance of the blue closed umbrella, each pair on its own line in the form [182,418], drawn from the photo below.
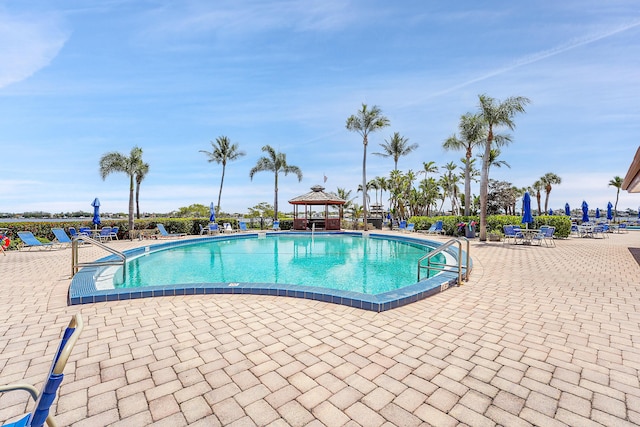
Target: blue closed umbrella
[585,212]
[212,213]
[550,211]
[96,211]
[567,210]
[609,213]
[597,213]
[526,209]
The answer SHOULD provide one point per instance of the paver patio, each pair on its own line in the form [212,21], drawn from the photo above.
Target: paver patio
[539,336]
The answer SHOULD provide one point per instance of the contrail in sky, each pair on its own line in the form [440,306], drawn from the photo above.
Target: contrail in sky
[539,56]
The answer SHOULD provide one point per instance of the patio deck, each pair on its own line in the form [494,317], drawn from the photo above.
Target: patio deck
[539,336]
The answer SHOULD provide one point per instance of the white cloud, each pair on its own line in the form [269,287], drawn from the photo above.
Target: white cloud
[28,43]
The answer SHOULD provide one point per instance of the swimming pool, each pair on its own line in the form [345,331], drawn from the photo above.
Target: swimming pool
[375,272]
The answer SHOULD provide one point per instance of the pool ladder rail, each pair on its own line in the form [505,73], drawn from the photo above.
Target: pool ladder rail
[438,266]
[76,265]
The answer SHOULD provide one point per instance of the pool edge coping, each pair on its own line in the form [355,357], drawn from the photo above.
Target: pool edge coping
[82,289]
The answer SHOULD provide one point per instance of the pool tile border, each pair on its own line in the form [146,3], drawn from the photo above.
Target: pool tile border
[83,285]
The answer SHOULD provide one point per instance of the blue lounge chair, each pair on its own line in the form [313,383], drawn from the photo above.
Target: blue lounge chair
[61,237]
[203,229]
[164,233]
[402,225]
[411,227]
[44,399]
[29,241]
[436,228]
[242,225]
[276,225]
[114,232]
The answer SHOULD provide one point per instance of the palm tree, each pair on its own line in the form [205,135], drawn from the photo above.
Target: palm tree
[117,162]
[276,163]
[494,114]
[547,181]
[494,154]
[396,147]
[222,152]
[616,182]
[364,122]
[141,172]
[382,185]
[344,195]
[429,167]
[537,187]
[472,133]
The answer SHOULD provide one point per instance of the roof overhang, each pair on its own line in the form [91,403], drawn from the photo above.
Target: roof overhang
[631,182]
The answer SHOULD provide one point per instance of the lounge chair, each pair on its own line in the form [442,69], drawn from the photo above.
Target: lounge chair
[227,228]
[164,233]
[29,241]
[402,225]
[203,229]
[45,397]
[61,237]
[243,226]
[114,232]
[410,227]
[436,228]
[276,226]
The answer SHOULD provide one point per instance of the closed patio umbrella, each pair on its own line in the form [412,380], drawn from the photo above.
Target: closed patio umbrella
[212,213]
[585,212]
[96,212]
[609,211]
[550,211]
[567,209]
[527,218]
[597,213]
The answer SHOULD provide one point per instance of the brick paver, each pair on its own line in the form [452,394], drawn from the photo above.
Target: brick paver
[539,336]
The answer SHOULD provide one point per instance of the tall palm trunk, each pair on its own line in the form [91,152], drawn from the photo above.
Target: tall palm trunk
[224,166]
[484,186]
[275,199]
[131,190]
[137,200]
[467,184]
[364,182]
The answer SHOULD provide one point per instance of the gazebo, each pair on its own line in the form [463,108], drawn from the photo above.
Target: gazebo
[316,197]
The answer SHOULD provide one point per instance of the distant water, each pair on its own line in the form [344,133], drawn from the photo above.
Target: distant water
[43,219]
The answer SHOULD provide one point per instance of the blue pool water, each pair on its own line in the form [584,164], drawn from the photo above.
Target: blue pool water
[349,263]
[377,272]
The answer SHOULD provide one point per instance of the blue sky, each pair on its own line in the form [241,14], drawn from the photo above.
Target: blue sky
[79,79]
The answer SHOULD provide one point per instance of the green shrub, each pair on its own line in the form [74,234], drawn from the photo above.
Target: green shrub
[494,223]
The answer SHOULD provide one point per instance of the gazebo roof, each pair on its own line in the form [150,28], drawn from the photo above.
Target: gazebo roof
[317,196]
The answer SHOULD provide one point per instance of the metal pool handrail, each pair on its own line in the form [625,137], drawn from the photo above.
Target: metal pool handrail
[75,265]
[432,265]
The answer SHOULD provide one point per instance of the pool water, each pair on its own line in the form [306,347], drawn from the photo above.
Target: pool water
[350,263]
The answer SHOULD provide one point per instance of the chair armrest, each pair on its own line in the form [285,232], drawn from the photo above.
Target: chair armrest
[26,387]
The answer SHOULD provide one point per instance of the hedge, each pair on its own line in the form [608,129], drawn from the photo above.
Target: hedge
[495,223]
